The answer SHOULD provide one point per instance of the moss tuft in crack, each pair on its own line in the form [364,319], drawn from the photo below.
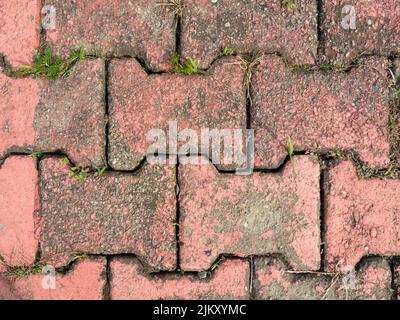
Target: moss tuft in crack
[48,65]
[190,66]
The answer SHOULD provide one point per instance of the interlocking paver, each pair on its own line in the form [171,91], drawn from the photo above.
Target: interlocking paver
[129,282]
[79,192]
[140,103]
[65,115]
[114,213]
[362,217]
[19,30]
[354,27]
[85,281]
[320,111]
[253,215]
[19,204]
[139,28]
[273,281]
[208,27]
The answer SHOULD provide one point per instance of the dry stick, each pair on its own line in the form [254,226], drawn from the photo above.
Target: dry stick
[333,282]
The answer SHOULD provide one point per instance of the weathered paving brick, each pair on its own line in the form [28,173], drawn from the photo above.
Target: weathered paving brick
[253,215]
[85,281]
[138,28]
[129,282]
[208,27]
[377,29]
[6,292]
[19,30]
[19,203]
[60,115]
[141,102]
[371,281]
[114,213]
[320,111]
[362,217]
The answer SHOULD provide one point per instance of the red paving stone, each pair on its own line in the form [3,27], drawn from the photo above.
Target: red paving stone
[376,29]
[253,215]
[65,115]
[320,111]
[292,229]
[208,27]
[19,204]
[129,282]
[85,281]
[139,28]
[114,213]
[19,30]
[214,101]
[272,281]
[362,217]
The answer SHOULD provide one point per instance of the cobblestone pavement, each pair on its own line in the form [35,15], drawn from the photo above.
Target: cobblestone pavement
[85,214]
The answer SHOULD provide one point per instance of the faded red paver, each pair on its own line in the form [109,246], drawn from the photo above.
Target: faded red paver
[19,203]
[253,215]
[114,213]
[371,281]
[362,217]
[377,29]
[60,115]
[140,103]
[85,281]
[19,30]
[129,282]
[139,28]
[6,292]
[320,111]
[3,267]
[249,27]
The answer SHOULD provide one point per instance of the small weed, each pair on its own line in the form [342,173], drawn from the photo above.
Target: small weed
[176,6]
[24,271]
[291,150]
[80,174]
[100,171]
[45,64]
[188,68]
[36,155]
[65,161]
[290,5]
[50,66]
[78,257]
[228,52]
[216,265]
[78,55]
[248,66]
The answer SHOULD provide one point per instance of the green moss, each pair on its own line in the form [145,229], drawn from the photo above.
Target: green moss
[228,52]
[48,65]
[188,68]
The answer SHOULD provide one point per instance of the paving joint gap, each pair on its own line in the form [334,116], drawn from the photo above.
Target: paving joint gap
[322,181]
[107,284]
[107,110]
[178,219]
[320,33]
